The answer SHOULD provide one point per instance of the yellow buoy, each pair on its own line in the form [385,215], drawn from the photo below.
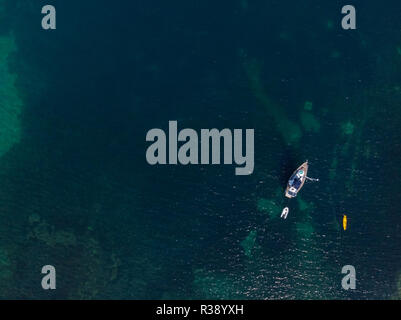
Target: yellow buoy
[345,222]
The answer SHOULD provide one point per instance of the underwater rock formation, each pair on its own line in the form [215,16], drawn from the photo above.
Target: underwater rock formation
[269,206]
[209,285]
[303,205]
[46,233]
[249,243]
[304,229]
[10,100]
[94,268]
[309,122]
[289,130]
[308,105]
[94,277]
[397,295]
[347,128]
[6,271]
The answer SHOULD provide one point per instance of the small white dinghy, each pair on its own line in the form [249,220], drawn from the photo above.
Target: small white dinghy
[284,213]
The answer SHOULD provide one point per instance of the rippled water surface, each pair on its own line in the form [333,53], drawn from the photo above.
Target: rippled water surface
[77,193]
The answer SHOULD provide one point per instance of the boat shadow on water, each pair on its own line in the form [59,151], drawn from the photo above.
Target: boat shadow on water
[288,162]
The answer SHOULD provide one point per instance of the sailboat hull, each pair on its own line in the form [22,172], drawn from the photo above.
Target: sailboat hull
[292,190]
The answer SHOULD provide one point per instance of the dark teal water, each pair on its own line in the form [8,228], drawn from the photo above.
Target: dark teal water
[77,193]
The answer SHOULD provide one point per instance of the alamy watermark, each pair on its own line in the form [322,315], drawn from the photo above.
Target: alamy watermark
[49,280]
[210,140]
[49,20]
[349,280]
[348,22]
